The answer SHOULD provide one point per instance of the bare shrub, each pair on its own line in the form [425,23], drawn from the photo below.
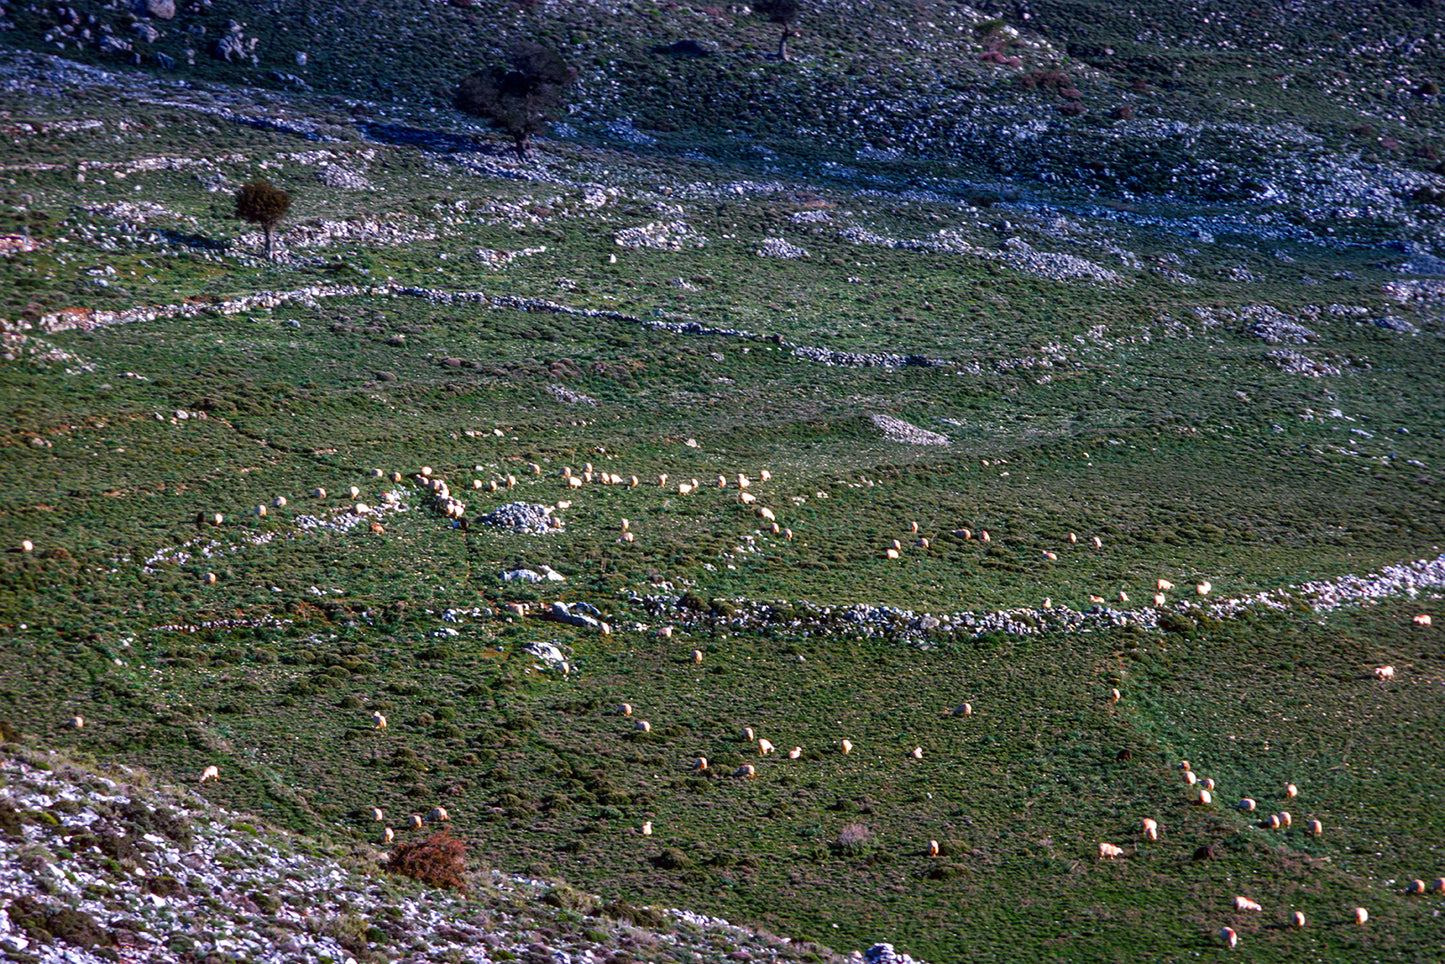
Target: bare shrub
[438,861]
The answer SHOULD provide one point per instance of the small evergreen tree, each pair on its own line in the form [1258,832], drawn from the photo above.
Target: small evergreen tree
[520,98]
[261,202]
[783,12]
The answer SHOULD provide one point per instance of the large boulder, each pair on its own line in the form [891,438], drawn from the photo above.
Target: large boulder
[160,9]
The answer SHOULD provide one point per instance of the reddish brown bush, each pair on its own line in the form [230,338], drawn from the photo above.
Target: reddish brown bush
[438,861]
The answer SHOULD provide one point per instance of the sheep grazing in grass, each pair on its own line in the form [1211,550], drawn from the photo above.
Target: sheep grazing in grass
[1048,602]
[1205,797]
[388,835]
[647,829]
[379,720]
[1123,596]
[933,848]
[963,709]
[259,511]
[1438,885]
[983,536]
[747,770]
[1362,916]
[1184,765]
[1114,695]
[396,476]
[1244,903]
[846,746]
[217,519]
[963,533]
[767,513]
[211,772]
[1290,790]
[922,542]
[1051,556]
[697,656]
[684,488]
[1190,778]
[700,764]
[747,498]
[355,492]
[796,753]
[1073,537]
[416,821]
[749,735]
[662,480]
[279,502]
[722,481]
[1316,828]
[1285,819]
[376,815]
[624,709]
[1384,672]
[788,534]
[890,553]
[1148,824]
[1228,937]
[896,544]
[1299,919]
[1204,588]
[1160,599]
[1098,543]
[1096,600]
[1415,887]
[377,474]
[439,815]
[642,726]
[1422,620]
[917,753]
[1270,822]
[1108,851]
[361,508]
[318,493]
[26,545]
[1208,783]
[764,747]
[426,471]
[1164,585]
[209,579]
[633,482]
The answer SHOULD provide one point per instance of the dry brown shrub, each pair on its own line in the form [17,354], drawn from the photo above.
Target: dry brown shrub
[438,861]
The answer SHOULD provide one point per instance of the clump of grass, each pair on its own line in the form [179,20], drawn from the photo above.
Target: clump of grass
[853,839]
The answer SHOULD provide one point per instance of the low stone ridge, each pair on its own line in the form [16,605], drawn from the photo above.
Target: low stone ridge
[523,517]
[897,430]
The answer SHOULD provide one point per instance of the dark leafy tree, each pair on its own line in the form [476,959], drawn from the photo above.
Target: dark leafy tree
[261,202]
[784,13]
[520,98]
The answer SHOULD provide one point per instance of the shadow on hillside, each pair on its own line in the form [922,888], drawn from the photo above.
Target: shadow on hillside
[426,140]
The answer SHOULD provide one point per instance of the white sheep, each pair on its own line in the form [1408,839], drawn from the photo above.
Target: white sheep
[1271,822]
[922,542]
[1228,937]
[1415,887]
[642,726]
[361,508]
[722,481]
[846,746]
[1098,543]
[1204,588]
[259,511]
[1422,620]
[662,480]
[1150,825]
[1108,851]
[788,534]
[439,815]
[378,719]
[1114,695]
[1208,783]
[984,536]
[318,493]
[209,579]
[1164,585]
[211,772]
[700,764]
[764,747]
[933,848]
[963,709]
[416,821]
[1317,829]
[624,709]
[1073,537]
[279,502]
[890,553]
[1438,885]
[765,475]
[1051,556]
[1299,919]
[376,815]
[749,734]
[1205,797]
[747,498]
[917,753]
[77,722]
[1290,790]
[795,753]
[684,488]
[1362,916]
[633,483]
[1285,818]
[1190,778]
[697,656]
[377,474]
[767,513]
[1160,599]
[1244,903]
[746,770]
[26,545]
[1184,765]
[1384,672]
[573,482]
[647,829]
[1123,596]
